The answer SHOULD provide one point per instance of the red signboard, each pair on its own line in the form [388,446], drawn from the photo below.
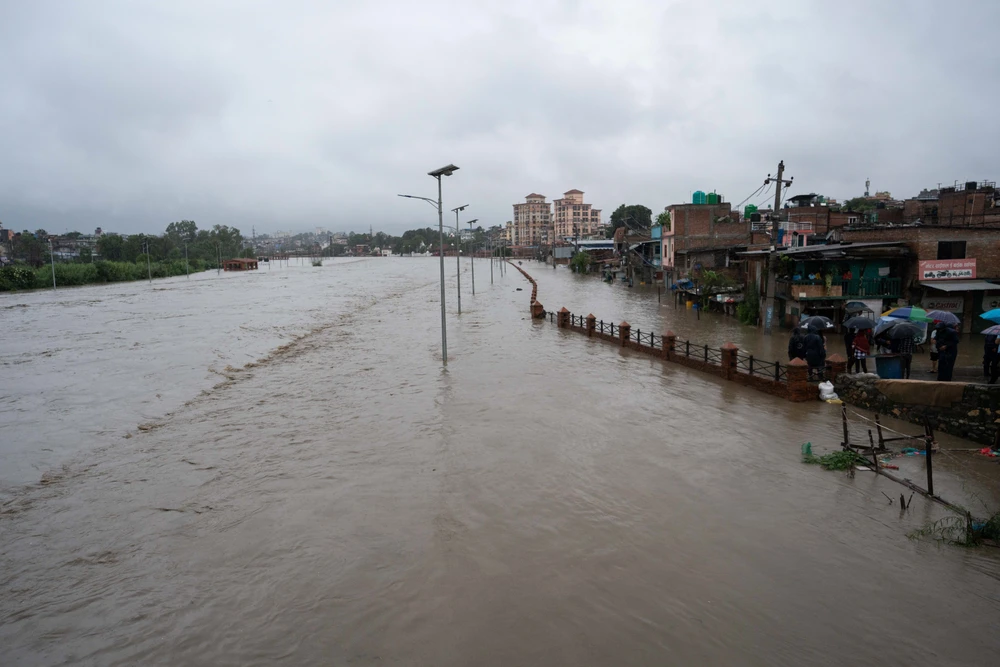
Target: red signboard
[947,269]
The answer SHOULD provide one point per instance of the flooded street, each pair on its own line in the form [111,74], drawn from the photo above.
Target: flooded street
[309,486]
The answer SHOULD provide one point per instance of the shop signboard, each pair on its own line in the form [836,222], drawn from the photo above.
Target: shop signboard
[947,269]
[951,304]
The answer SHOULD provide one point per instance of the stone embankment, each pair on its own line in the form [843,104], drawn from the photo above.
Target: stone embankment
[970,411]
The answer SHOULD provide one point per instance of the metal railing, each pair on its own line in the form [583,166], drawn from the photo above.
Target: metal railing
[750,365]
[648,339]
[856,287]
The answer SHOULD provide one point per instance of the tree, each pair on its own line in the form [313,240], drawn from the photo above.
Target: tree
[86,256]
[663,219]
[634,216]
[111,247]
[860,204]
[185,231]
[581,262]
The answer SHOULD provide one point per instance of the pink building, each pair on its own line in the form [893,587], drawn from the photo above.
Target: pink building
[532,221]
[574,218]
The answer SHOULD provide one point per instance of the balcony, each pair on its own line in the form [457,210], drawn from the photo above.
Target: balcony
[858,288]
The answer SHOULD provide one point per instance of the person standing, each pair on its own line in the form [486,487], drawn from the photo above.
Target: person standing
[797,345]
[991,358]
[815,354]
[947,345]
[906,355]
[934,352]
[849,335]
[862,348]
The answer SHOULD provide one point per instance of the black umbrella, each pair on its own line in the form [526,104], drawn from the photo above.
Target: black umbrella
[856,307]
[905,329]
[859,322]
[817,322]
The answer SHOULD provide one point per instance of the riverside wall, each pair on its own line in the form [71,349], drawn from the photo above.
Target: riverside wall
[970,411]
[789,381]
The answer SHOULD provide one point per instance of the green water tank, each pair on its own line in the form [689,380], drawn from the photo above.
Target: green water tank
[698,198]
[712,198]
[750,208]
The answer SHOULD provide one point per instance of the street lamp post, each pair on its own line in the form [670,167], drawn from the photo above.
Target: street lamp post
[458,265]
[472,256]
[489,244]
[52,260]
[438,173]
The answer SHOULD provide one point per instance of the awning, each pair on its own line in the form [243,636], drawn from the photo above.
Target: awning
[961,285]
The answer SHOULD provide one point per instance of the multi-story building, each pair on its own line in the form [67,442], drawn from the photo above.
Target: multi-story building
[532,220]
[574,218]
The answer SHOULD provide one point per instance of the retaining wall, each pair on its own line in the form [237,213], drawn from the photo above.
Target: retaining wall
[970,411]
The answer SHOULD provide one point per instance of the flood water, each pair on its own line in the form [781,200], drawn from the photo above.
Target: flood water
[274,468]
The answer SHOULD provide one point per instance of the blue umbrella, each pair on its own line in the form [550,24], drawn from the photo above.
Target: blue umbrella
[992,315]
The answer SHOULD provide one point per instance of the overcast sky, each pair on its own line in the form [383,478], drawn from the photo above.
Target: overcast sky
[292,114]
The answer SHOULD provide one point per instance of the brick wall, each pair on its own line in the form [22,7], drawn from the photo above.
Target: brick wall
[983,244]
[695,226]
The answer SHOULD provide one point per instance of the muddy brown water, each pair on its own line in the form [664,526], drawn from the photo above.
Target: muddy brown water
[311,487]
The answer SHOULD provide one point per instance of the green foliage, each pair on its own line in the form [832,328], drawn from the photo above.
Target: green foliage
[581,262]
[860,204]
[749,309]
[663,219]
[16,277]
[86,255]
[634,216]
[840,460]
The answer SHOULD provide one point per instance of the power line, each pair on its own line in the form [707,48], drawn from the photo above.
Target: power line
[752,194]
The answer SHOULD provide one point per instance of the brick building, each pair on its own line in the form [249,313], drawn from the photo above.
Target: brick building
[972,204]
[702,234]
[532,221]
[573,218]
[953,267]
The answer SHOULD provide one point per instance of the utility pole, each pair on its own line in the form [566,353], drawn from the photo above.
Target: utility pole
[186,272]
[493,259]
[772,268]
[149,268]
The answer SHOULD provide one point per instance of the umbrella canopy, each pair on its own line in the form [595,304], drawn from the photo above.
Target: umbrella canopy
[992,315]
[943,316]
[859,322]
[911,313]
[887,323]
[904,329]
[856,307]
[991,331]
[817,322]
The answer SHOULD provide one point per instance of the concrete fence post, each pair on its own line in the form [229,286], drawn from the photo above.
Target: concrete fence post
[799,388]
[836,365]
[624,333]
[729,354]
[537,310]
[563,318]
[591,325]
[669,343]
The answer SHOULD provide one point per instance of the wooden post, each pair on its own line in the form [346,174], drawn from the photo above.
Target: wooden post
[929,449]
[847,435]
[878,427]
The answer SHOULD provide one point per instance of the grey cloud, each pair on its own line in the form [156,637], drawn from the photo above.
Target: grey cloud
[289,115]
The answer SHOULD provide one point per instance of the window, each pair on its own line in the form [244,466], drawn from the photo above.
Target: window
[951,250]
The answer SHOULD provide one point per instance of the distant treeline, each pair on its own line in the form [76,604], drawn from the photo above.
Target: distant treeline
[24,277]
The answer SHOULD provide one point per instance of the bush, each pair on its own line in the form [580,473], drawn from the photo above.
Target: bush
[15,277]
[749,309]
[114,272]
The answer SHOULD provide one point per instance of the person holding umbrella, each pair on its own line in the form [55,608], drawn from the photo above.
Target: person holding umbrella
[991,354]
[862,348]
[947,345]
[815,353]
[852,326]
[797,344]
